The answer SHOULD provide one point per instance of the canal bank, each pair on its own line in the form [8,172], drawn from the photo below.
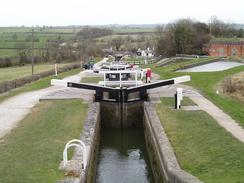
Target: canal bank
[154,161]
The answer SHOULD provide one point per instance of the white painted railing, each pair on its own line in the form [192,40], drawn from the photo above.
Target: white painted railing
[75,143]
[120,82]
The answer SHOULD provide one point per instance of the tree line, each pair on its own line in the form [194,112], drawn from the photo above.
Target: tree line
[187,36]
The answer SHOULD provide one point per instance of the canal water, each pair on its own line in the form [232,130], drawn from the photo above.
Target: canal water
[211,67]
[123,157]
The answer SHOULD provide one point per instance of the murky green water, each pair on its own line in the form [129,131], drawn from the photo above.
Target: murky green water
[123,157]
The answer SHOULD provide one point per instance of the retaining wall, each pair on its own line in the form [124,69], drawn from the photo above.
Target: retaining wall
[9,85]
[163,161]
[90,135]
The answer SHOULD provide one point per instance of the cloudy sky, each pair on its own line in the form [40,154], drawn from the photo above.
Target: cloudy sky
[100,12]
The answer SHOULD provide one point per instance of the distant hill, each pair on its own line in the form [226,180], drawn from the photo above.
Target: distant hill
[239,26]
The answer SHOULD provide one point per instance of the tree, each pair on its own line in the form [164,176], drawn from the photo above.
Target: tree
[14,36]
[92,33]
[240,33]
[22,52]
[182,36]
[219,28]
[117,42]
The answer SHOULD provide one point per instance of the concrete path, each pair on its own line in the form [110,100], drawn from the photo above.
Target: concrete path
[16,108]
[204,104]
[13,110]
[221,117]
[71,93]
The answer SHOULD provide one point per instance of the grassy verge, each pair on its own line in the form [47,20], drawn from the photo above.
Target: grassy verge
[207,82]
[202,147]
[11,73]
[41,83]
[33,151]
[91,79]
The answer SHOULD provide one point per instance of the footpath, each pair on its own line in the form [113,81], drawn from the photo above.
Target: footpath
[223,119]
[14,109]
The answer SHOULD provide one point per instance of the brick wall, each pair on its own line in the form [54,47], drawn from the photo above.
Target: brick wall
[226,49]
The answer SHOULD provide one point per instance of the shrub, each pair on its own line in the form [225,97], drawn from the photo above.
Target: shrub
[229,85]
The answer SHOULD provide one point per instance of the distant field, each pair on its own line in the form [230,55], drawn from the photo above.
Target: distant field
[7,53]
[12,38]
[133,30]
[7,74]
[228,39]
[43,29]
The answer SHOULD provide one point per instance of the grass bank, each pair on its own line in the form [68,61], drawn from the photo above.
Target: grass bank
[202,147]
[32,151]
[11,73]
[40,84]
[91,79]
[207,82]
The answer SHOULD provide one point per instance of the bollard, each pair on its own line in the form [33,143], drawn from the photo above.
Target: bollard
[56,69]
[178,98]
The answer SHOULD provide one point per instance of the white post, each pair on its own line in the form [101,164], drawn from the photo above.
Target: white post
[56,69]
[120,84]
[136,77]
[104,78]
[179,97]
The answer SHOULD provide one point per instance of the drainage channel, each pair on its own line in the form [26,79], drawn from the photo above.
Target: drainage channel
[123,157]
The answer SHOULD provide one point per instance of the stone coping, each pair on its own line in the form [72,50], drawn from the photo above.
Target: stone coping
[171,167]
[88,135]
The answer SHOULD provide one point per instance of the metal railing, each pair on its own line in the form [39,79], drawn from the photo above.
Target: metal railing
[75,143]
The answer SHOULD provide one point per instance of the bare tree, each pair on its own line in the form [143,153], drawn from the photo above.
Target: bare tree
[117,42]
[182,36]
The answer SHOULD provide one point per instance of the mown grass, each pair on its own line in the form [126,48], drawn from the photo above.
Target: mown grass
[202,147]
[32,151]
[185,102]
[207,82]
[11,73]
[7,53]
[91,79]
[40,84]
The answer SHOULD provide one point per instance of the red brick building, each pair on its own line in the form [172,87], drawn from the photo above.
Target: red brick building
[224,48]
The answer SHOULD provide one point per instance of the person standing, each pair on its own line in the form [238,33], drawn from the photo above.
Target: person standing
[148,75]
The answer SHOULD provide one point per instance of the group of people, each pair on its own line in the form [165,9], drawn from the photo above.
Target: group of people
[145,72]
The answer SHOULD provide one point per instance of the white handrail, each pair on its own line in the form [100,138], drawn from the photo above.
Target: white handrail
[73,143]
[75,140]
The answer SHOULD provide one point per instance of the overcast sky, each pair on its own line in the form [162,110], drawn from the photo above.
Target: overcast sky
[100,12]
